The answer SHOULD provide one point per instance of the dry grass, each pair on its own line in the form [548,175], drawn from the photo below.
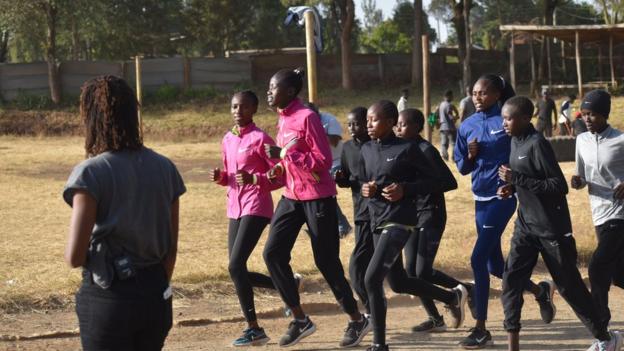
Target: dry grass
[35,219]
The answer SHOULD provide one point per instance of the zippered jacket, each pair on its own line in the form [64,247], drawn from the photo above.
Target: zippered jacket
[352,166]
[540,186]
[243,149]
[307,157]
[494,147]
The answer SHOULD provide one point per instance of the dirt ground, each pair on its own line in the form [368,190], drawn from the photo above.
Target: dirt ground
[201,324]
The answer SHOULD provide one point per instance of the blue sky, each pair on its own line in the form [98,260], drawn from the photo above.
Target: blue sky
[387,6]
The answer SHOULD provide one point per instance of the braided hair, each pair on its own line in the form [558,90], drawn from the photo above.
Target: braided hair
[108,108]
[387,109]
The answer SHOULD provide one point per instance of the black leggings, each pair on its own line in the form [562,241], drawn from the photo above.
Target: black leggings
[360,258]
[420,253]
[243,235]
[387,261]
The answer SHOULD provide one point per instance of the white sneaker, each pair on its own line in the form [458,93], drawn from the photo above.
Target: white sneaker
[611,345]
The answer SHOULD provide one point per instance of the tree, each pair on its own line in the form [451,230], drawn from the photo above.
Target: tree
[612,10]
[345,11]
[372,16]
[417,44]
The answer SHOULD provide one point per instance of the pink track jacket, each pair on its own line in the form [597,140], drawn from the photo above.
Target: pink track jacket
[307,158]
[243,149]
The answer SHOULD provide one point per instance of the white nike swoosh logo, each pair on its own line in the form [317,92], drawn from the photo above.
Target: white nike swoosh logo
[521,157]
[243,150]
[389,159]
[496,131]
[286,135]
[480,340]
[488,226]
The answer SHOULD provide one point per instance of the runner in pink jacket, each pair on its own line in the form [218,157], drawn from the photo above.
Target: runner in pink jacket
[304,161]
[249,205]
[307,157]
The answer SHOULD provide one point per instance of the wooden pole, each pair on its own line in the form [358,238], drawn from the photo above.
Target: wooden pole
[311,56]
[600,72]
[139,93]
[613,81]
[186,77]
[533,77]
[563,59]
[512,61]
[426,86]
[549,62]
[579,75]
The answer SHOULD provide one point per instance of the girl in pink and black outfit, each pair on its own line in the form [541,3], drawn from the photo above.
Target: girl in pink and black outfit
[249,205]
[310,197]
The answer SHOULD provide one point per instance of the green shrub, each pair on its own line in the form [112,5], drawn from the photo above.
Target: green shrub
[205,93]
[27,101]
[166,93]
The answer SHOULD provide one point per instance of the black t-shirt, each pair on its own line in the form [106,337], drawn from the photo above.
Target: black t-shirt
[545,110]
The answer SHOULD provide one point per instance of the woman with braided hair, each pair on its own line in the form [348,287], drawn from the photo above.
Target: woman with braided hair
[124,226]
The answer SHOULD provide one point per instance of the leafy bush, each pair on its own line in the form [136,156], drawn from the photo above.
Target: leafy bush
[205,93]
[27,101]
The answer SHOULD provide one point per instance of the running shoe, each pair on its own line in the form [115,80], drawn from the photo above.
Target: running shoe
[297,330]
[377,347]
[457,310]
[355,332]
[545,301]
[252,337]
[431,325]
[477,339]
[608,345]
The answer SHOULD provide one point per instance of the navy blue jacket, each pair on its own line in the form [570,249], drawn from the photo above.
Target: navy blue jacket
[494,147]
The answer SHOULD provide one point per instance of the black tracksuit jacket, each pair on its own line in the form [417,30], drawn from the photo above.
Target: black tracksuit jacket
[352,166]
[432,206]
[395,160]
[540,186]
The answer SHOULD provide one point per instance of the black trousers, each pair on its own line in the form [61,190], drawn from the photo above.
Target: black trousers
[320,217]
[607,265]
[243,235]
[130,315]
[560,257]
[420,253]
[360,258]
[387,262]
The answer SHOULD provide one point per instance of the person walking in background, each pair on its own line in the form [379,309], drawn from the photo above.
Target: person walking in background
[543,227]
[600,167]
[565,115]
[546,113]
[447,114]
[402,104]
[124,225]
[578,125]
[422,247]
[466,106]
[249,205]
[482,147]
[333,130]
[304,159]
[351,175]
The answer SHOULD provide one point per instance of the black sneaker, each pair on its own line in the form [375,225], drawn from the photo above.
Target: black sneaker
[471,299]
[297,331]
[457,310]
[252,337]
[377,347]
[431,325]
[545,301]
[299,281]
[355,332]
[477,339]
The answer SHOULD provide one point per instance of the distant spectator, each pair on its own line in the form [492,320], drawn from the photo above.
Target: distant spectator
[447,113]
[546,113]
[402,104]
[466,106]
[578,125]
[565,115]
